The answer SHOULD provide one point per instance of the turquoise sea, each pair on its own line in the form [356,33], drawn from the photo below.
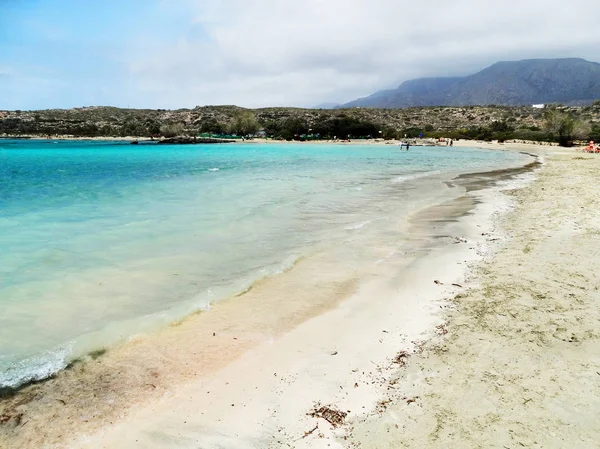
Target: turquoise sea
[100,241]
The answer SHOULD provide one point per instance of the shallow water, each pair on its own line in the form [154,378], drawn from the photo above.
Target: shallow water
[100,241]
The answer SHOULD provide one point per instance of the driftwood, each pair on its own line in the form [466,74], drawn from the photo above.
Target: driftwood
[308,432]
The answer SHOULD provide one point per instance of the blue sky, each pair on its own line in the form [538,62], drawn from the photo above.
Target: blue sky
[183,53]
[63,53]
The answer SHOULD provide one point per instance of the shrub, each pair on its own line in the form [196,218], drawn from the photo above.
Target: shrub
[171,129]
[595,133]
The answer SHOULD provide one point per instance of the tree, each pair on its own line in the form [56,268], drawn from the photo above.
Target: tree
[272,128]
[564,128]
[581,130]
[560,126]
[411,132]
[152,127]
[390,133]
[212,125]
[500,127]
[244,123]
[595,133]
[293,126]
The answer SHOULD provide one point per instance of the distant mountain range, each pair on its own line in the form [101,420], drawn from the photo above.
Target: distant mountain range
[570,81]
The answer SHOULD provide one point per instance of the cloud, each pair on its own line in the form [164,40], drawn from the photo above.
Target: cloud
[182,53]
[268,52]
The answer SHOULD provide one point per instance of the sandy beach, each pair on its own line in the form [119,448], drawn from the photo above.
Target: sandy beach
[519,365]
[260,140]
[482,336]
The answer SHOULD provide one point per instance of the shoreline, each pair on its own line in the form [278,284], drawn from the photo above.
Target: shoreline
[374,141]
[517,365]
[6,391]
[314,367]
[82,347]
[226,353]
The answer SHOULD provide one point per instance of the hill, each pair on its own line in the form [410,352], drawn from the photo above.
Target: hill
[98,121]
[532,81]
[473,122]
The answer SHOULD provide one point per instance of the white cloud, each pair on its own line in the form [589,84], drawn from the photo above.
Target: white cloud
[281,52]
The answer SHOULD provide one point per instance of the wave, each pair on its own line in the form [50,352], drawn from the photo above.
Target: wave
[412,176]
[213,169]
[361,224]
[36,368]
[15,374]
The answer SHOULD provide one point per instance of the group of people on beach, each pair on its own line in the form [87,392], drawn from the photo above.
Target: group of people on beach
[591,148]
[448,142]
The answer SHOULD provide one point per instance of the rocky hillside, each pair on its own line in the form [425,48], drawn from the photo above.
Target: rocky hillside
[287,122]
[109,121]
[527,82]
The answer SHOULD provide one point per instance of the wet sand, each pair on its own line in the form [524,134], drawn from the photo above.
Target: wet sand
[246,373]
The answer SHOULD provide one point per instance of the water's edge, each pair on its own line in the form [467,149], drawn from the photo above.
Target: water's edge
[471,182]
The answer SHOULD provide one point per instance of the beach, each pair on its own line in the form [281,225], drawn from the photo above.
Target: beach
[477,311]
[519,365]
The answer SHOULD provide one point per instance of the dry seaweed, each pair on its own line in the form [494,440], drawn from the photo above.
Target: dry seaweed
[331,415]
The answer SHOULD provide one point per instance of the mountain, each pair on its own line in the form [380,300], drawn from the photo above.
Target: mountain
[514,83]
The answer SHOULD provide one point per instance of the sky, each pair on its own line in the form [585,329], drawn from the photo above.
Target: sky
[256,53]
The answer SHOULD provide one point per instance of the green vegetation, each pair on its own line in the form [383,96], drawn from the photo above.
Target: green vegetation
[563,127]
[339,126]
[243,124]
[171,130]
[553,124]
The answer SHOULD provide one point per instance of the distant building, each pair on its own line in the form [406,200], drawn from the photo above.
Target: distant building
[538,106]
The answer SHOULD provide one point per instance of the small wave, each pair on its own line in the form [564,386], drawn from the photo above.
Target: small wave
[361,224]
[274,270]
[44,365]
[268,272]
[36,368]
[213,169]
[518,182]
[410,177]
